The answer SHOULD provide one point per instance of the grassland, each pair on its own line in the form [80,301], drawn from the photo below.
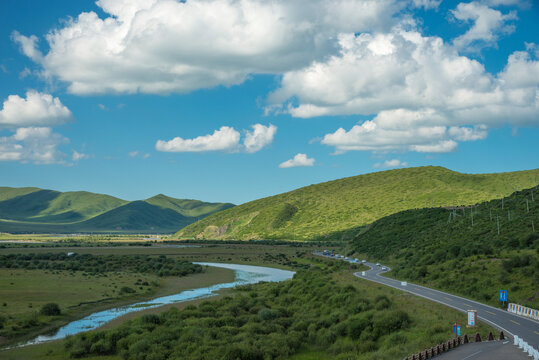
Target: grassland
[442,249]
[33,210]
[23,293]
[330,210]
[321,314]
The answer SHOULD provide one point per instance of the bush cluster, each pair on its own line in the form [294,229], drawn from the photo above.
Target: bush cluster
[161,265]
[264,321]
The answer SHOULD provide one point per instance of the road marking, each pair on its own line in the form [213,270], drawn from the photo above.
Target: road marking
[515,322]
[469,356]
[468,305]
[536,332]
[447,298]
[505,342]
[490,312]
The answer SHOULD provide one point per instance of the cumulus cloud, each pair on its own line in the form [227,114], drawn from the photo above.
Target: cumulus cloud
[37,109]
[260,137]
[225,139]
[163,46]
[298,160]
[391,164]
[425,96]
[37,145]
[488,24]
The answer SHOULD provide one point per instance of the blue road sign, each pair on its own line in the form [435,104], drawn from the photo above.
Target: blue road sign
[458,330]
[503,295]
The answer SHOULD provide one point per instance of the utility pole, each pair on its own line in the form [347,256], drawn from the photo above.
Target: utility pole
[527,206]
[498,222]
[502,203]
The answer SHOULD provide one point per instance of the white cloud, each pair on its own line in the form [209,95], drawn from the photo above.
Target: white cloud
[28,45]
[260,137]
[163,46]
[425,96]
[487,25]
[102,107]
[427,4]
[37,145]
[139,154]
[298,160]
[440,147]
[79,156]
[38,109]
[519,3]
[391,164]
[225,139]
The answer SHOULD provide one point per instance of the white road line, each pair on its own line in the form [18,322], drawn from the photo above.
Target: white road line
[469,356]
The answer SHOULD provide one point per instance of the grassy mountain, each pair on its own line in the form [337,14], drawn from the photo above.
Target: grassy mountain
[38,210]
[441,248]
[328,210]
[186,207]
[39,205]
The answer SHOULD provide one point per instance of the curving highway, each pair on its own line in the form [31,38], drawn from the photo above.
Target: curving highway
[511,324]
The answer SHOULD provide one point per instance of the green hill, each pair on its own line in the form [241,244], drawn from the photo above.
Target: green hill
[189,208]
[440,247]
[38,210]
[328,210]
[39,205]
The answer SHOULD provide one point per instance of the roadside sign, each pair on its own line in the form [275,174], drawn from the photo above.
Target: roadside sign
[458,330]
[363,273]
[503,295]
[472,317]
[404,283]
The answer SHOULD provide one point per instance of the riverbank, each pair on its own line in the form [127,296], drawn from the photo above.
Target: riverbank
[83,295]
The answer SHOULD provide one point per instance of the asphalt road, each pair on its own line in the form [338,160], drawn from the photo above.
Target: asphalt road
[511,324]
[491,350]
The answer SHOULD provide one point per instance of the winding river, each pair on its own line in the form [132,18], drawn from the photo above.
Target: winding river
[245,274]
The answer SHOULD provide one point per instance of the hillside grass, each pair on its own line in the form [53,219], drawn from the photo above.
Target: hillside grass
[330,210]
[441,249]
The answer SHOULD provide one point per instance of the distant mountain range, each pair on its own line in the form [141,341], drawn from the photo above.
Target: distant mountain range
[48,211]
[335,210]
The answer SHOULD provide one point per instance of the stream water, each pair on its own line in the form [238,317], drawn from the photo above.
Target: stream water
[245,274]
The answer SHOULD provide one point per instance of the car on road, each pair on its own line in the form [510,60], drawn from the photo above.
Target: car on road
[363,261]
[377,264]
[384,268]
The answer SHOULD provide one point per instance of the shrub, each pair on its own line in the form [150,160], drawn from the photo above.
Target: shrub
[50,309]
[126,290]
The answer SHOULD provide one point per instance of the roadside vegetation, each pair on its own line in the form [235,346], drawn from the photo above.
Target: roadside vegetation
[323,313]
[334,210]
[442,249]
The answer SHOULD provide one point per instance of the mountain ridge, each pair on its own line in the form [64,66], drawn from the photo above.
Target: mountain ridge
[327,210]
[32,209]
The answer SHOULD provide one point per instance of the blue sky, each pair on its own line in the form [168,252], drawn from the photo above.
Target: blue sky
[233,101]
